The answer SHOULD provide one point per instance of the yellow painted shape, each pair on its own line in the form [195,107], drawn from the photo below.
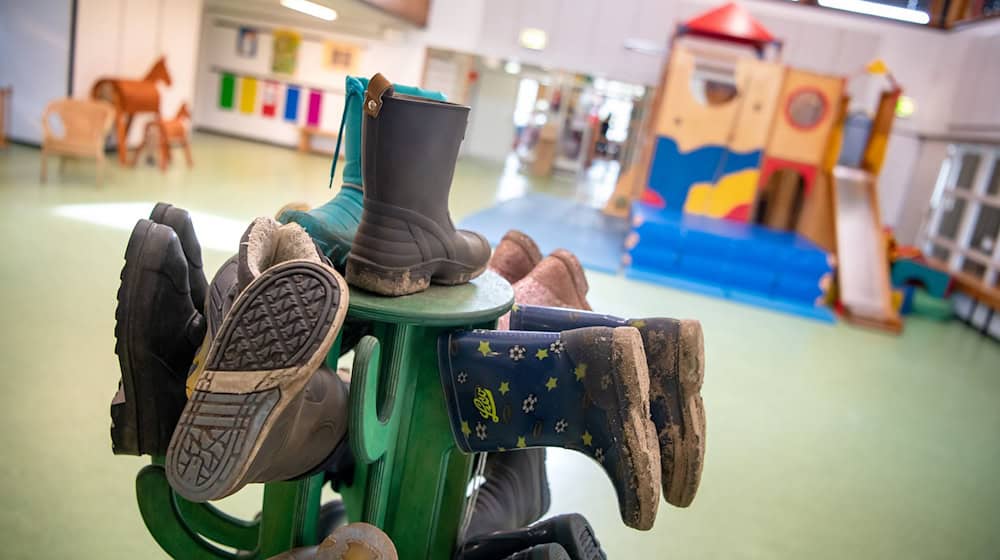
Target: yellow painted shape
[248,94]
[877,66]
[718,200]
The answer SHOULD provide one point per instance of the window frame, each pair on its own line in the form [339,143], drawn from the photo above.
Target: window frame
[975,198]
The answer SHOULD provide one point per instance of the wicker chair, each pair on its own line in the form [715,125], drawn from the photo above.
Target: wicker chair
[85,123]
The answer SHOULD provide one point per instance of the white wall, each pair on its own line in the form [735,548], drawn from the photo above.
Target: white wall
[400,60]
[34,59]
[588,36]
[976,104]
[490,134]
[123,38]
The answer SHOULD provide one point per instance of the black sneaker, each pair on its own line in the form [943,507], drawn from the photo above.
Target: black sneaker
[571,532]
[179,220]
[549,551]
[157,332]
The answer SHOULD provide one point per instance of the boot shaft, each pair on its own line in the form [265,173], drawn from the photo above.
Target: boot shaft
[351,125]
[410,148]
[555,319]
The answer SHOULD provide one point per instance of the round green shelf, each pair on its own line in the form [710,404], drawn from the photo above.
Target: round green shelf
[481,301]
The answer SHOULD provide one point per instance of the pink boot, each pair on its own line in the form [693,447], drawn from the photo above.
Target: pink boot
[557,281]
[515,256]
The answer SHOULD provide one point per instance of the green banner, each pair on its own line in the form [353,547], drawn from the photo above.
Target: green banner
[227,89]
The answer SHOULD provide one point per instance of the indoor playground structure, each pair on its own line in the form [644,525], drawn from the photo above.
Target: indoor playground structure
[744,187]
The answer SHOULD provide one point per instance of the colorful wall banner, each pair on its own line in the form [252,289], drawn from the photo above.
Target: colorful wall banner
[315,101]
[341,57]
[227,86]
[291,103]
[248,94]
[269,98]
[286,51]
[246,42]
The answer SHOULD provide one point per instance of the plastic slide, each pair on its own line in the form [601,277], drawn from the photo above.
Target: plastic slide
[863,269]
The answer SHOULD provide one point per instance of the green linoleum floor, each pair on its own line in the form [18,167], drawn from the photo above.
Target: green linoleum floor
[823,441]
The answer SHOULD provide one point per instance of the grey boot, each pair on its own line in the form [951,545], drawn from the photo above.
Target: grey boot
[406,239]
[263,409]
[515,494]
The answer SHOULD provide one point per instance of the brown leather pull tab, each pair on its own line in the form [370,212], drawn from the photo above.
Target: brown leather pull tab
[377,86]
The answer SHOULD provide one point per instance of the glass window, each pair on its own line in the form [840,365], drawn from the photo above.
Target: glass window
[993,187]
[967,171]
[984,234]
[970,266]
[940,253]
[952,208]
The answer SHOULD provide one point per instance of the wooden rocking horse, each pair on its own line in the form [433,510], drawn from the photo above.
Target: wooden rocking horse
[160,135]
[130,97]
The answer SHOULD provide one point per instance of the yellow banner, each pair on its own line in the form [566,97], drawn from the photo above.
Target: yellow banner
[248,94]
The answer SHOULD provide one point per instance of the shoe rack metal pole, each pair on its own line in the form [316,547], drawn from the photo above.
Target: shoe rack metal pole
[410,478]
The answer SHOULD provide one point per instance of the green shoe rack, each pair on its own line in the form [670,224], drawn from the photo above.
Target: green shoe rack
[410,479]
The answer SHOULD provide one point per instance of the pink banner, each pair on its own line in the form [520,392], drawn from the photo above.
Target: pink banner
[315,100]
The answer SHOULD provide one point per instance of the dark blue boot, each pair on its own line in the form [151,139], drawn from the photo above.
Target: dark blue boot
[676,359]
[334,224]
[584,389]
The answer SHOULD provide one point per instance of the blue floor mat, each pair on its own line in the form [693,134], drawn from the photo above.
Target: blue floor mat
[596,239]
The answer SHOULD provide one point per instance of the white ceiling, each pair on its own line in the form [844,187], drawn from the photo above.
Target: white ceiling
[353,17]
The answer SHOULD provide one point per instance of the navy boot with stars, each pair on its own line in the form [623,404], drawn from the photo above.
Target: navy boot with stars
[675,355]
[584,389]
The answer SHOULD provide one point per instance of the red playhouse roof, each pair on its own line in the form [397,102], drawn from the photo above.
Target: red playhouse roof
[730,22]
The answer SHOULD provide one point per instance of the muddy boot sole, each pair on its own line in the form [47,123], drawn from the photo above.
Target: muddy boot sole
[640,441]
[577,275]
[357,541]
[689,445]
[515,263]
[276,336]
[401,281]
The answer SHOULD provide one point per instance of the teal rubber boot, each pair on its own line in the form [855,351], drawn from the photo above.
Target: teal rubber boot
[333,225]
[583,389]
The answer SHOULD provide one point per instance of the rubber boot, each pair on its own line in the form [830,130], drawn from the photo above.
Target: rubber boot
[356,541]
[232,277]
[264,410]
[514,495]
[179,220]
[571,531]
[548,551]
[583,389]
[157,330]
[334,224]
[557,281]
[515,256]
[676,358]
[406,238]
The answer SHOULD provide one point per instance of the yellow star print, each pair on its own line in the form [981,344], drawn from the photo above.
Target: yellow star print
[587,438]
[639,323]
[521,442]
[580,371]
[484,348]
[465,429]
[551,384]
[515,307]
[504,387]
[542,354]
